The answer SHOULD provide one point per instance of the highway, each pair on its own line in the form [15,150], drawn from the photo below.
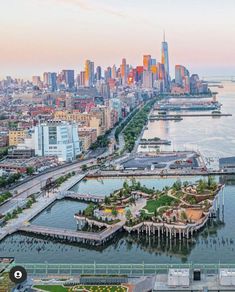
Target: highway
[36,183]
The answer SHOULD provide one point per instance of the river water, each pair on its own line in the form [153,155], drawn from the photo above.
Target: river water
[214,137]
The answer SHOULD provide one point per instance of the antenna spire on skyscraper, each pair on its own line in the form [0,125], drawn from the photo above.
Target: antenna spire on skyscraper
[164,35]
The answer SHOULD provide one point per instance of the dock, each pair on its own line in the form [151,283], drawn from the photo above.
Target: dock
[177,117]
[155,142]
[93,238]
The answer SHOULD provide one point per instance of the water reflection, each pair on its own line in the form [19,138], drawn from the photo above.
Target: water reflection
[123,248]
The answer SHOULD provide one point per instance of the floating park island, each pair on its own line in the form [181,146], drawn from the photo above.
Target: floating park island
[177,211]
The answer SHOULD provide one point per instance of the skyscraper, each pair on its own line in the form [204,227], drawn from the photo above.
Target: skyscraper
[52,81]
[147,79]
[98,73]
[45,78]
[114,72]
[147,62]
[89,73]
[82,78]
[123,69]
[165,62]
[107,74]
[68,77]
[180,73]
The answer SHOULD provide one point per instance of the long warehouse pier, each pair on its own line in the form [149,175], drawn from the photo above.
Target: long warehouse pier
[161,116]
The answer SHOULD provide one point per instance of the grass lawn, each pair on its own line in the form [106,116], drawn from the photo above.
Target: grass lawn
[52,288]
[164,200]
[95,288]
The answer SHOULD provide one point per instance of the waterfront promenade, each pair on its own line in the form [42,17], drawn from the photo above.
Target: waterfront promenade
[43,201]
[22,222]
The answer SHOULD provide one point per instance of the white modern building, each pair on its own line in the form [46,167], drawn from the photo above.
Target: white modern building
[57,138]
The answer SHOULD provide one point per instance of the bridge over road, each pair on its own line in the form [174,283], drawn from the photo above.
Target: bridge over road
[82,197]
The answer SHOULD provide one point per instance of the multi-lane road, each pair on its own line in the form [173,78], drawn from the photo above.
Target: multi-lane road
[35,184]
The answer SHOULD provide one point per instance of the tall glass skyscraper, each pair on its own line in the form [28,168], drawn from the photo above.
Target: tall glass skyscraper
[165,61]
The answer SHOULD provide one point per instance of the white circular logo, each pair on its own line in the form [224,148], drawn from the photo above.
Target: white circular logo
[18,275]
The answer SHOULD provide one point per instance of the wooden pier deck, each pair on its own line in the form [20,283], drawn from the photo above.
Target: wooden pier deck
[95,238]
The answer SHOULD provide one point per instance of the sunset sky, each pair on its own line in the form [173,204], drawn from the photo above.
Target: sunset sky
[50,35]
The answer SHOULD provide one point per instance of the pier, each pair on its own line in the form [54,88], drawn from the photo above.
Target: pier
[93,238]
[154,142]
[180,116]
[165,230]
[41,204]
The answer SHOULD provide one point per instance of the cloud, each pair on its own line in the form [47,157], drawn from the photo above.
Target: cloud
[89,6]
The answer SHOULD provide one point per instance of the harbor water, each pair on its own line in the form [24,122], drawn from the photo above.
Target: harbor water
[214,137]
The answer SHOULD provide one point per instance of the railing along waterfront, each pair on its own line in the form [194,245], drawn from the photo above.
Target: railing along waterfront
[116,269]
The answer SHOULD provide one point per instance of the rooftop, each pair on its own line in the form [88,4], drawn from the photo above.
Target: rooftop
[227,160]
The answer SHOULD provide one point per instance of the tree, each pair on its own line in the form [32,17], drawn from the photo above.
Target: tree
[133,182]
[107,200]
[185,184]
[30,170]
[114,212]
[125,185]
[89,210]
[177,185]
[128,214]
[84,167]
[132,200]
[183,215]
[201,185]
[211,183]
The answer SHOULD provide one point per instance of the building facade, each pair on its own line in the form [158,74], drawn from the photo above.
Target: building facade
[16,137]
[57,139]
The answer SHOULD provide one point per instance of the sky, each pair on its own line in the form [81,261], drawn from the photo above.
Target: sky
[51,35]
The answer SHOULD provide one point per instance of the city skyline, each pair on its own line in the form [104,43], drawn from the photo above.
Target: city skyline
[69,32]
